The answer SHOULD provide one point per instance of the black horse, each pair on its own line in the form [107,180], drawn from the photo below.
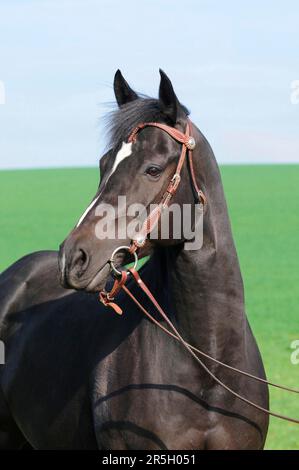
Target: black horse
[78,376]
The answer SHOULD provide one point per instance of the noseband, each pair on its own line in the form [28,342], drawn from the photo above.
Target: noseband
[107,298]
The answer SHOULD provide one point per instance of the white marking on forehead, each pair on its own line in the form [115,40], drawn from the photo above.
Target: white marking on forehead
[86,211]
[124,152]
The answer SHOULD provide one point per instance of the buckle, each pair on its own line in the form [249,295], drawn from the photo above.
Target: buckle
[202,197]
[175,181]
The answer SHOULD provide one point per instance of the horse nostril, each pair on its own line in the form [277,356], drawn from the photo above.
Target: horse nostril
[80,260]
[83,257]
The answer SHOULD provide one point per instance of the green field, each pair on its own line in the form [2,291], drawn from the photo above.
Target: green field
[39,207]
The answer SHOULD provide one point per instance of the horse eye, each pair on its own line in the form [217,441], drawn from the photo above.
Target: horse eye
[153,171]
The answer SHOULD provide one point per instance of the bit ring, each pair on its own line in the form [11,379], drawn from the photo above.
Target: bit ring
[112,263]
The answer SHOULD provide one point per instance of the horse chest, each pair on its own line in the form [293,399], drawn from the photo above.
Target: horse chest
[164,418]
[148,395]
[144,402]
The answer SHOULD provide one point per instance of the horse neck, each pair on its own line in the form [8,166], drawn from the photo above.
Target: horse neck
[206,284]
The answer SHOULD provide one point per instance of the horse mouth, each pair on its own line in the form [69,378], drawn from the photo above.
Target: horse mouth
[98,282]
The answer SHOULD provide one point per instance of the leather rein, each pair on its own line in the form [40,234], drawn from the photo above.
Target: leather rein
[121,276]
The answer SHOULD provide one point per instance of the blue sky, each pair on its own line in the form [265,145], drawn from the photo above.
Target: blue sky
[232,63]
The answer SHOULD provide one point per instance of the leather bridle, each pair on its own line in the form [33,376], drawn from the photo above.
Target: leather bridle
[188,144]
[108,298]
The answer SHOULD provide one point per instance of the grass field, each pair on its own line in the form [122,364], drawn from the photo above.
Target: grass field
[39,207]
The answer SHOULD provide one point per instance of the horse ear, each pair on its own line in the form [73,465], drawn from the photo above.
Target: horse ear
[123,92]
[169,104]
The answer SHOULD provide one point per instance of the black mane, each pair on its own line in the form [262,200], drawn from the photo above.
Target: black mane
[121,122]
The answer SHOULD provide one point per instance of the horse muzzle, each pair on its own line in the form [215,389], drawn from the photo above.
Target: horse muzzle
[77,271]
